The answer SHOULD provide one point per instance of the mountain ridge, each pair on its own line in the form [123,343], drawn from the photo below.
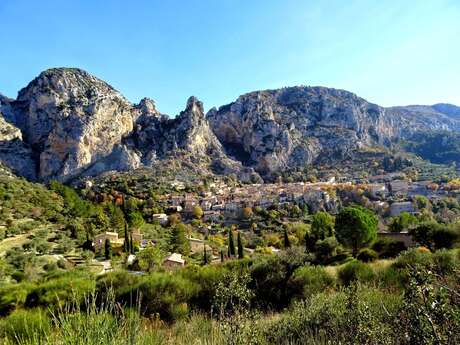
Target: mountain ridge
[73,124]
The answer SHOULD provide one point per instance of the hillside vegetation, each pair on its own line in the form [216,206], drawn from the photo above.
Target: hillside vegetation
[441,147]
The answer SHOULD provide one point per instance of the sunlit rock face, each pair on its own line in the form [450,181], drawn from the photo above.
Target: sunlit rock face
[67,123]
[70,119]
[280,129]
[14,153]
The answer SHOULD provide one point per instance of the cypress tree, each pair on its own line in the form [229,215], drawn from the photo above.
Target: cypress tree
[131,243]
[231,243]
[240,247]
[205,255]
[107,249]
[123,209]
[179,242]
[287,243]
[88,244]
[126,243]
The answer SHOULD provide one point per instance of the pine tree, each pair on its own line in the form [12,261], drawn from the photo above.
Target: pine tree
[240,247]
[107,249]
[287,243]
[231,243]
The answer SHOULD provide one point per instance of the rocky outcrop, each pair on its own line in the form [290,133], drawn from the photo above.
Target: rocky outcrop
[188,136]
[420,118]
[14,153]
[447,109]
[275,130]
[67,123]
[71,120]
[73,124]
[158,136]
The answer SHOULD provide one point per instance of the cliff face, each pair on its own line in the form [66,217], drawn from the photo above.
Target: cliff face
[13,151]
[158,136]
[187,137]
[278,129]
[70,119]
[67,123]
[73,124]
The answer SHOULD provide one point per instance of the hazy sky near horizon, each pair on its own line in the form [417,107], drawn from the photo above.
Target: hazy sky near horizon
[390,52]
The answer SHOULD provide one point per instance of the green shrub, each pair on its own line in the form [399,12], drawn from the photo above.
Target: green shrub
[206,278]
[413,257]
[25,326]
[59,290]
[367,255]
[316,317]
[13,296]
[310,280]
[445,262]
[388,247]
[270,278]
[163,294]
[356,271]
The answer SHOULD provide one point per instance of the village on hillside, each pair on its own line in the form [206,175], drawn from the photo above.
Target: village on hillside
[221,205]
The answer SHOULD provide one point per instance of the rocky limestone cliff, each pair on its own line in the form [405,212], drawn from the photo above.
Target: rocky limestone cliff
[70,119]
[73,124]
[279,129]
[158,136]
[186,137]
[14,153]
[67,123]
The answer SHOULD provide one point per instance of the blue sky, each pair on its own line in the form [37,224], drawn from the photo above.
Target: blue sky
[389,52]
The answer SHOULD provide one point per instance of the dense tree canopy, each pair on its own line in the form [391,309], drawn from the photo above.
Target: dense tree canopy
[179,242]
[322,226]
[356,227]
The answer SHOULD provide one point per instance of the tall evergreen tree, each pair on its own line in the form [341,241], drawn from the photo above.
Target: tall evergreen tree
[231,243]
[131,243]
[287,243]
[107,249]
[356,227]
[205,255]
[125,218]
[240,247]
[88,244]
[126,243]
[179,242]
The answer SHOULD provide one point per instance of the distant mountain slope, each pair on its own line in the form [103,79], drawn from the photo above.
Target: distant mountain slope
[67,123]
[448,109]
[441,147]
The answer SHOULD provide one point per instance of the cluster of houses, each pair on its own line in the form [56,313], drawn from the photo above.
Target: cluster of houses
[228,202]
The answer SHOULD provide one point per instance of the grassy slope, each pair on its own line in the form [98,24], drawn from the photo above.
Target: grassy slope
[25,208]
